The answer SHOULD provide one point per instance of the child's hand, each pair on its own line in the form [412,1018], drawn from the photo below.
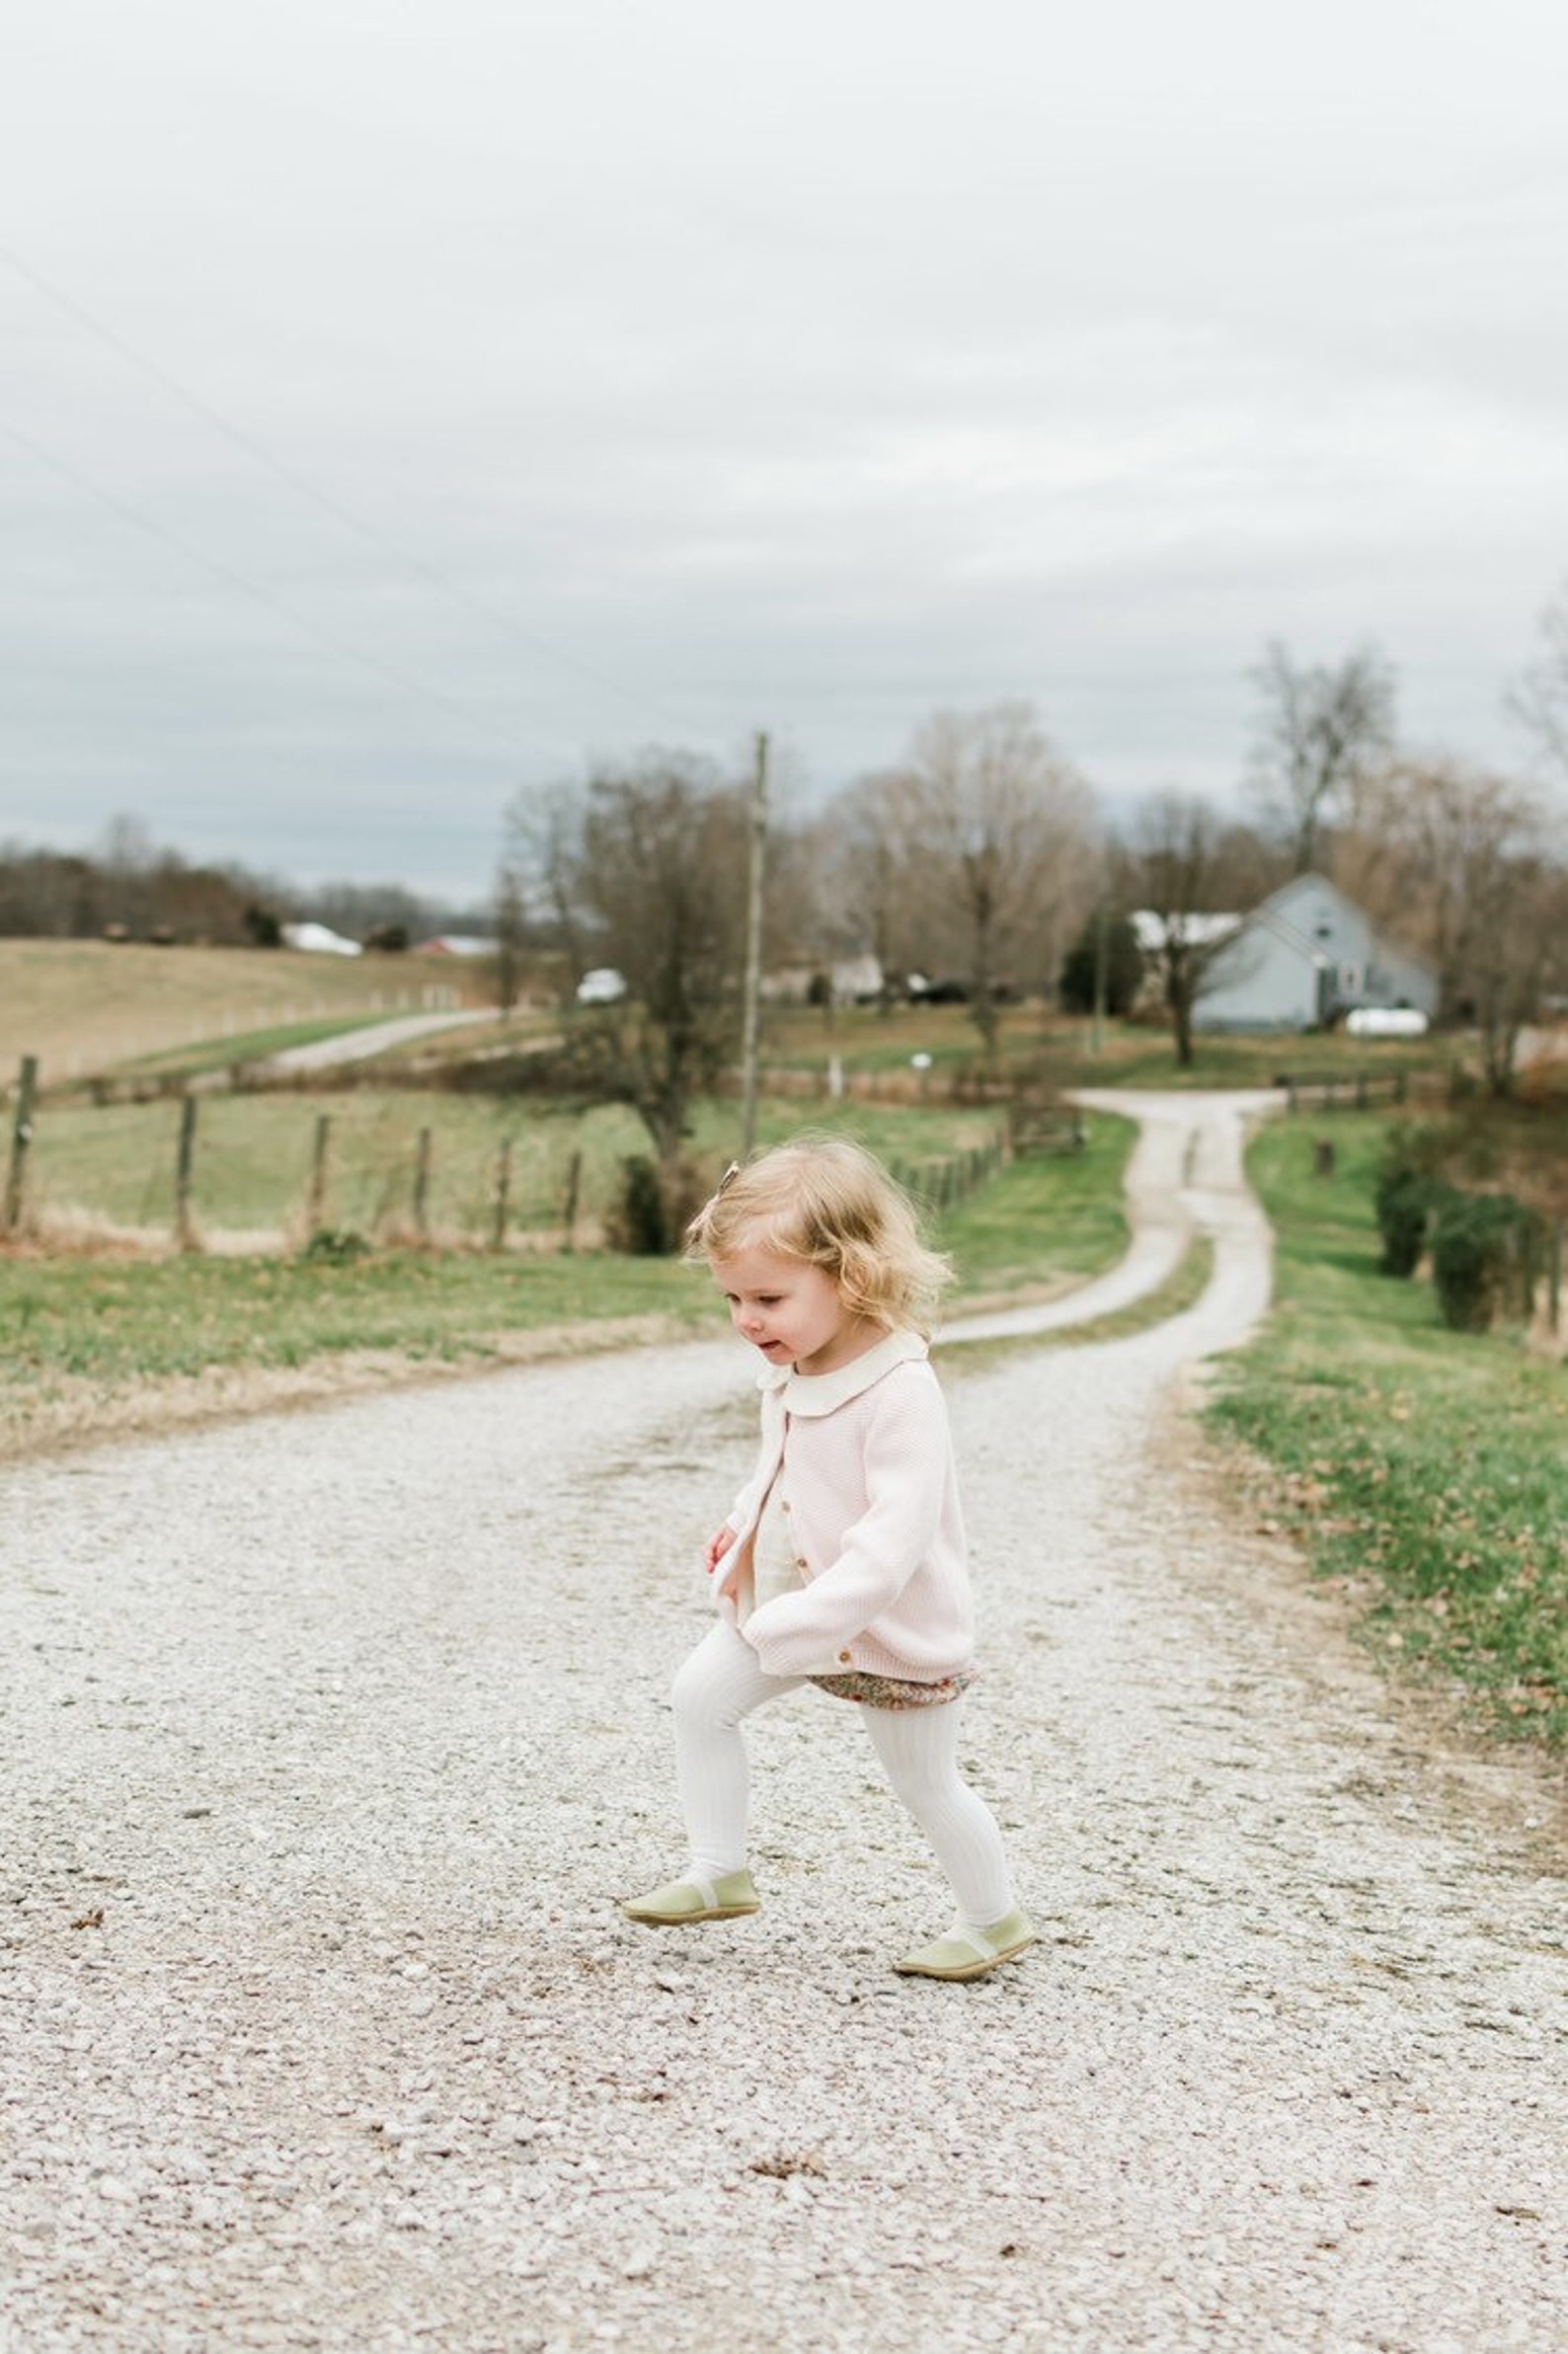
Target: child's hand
[718,1545]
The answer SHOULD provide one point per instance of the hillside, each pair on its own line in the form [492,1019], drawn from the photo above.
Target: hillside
[84,1005]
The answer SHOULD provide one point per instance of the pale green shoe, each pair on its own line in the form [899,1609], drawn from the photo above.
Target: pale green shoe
[972,1952]
[682,1900]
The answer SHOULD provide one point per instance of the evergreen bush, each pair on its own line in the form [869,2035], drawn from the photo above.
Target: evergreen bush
[1408,1197]
[1486,1255]
[638,1222]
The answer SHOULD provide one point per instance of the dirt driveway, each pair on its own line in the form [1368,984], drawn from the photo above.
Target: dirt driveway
[333,1739]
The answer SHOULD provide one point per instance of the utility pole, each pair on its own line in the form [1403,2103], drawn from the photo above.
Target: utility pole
[1097,1032]
[753,998]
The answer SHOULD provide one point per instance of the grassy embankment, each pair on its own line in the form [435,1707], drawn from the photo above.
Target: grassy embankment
[81,1336]
[1059,1048]
[82,1007]
[1426,1470]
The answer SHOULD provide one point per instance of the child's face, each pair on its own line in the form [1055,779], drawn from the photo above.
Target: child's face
[791,1311]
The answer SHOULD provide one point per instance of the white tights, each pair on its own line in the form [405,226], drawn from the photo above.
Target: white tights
[723,1682]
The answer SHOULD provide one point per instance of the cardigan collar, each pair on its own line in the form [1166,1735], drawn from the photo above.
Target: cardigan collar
[824,1393]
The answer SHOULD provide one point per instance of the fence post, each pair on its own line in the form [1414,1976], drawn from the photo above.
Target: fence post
[21,1138]
[503,1192]
[421,1187]
[574,1183]
[316,1209]
[185,1162]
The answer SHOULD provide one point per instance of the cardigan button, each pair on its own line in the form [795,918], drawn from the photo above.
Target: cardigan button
[845,1657]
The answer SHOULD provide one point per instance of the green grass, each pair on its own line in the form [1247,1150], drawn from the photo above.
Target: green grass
[1061,1213]
[74,1323]
[254,1156]
[119,1322]
[1061,1048]
[1426,1469]
[252,1046]
[113,1324]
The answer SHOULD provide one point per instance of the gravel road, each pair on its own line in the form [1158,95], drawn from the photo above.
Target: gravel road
[334,1738]
[361,1046]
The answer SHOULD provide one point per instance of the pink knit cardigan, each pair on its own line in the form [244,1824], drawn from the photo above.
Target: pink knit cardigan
[872,1496]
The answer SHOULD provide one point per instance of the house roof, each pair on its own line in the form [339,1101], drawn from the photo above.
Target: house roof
[1152,930]
[1275,912]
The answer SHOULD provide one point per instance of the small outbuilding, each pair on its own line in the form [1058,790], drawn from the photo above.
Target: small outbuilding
[319,939]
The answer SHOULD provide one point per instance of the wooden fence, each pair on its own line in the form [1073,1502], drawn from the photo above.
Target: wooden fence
[197,1168]
[1365,1091]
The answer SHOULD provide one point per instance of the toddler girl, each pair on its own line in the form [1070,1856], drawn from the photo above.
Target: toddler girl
[842,1563]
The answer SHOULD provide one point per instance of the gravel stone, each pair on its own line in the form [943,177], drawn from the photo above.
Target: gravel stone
[345,1732]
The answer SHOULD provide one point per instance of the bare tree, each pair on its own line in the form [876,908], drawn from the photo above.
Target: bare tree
[1000,837]
[1516,952]
[542,861]
[664,862]
[1540,698]
[1183,869]
[1323,733]
[125,857]
[861,852]
[1463,860]
[510,919]
[644,869]
[45,893]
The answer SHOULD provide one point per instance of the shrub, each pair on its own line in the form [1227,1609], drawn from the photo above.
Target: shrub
[335,1246]
[1486,1254]
[1408,1196]
[1403,1204]
[638,1222]
[653,1207]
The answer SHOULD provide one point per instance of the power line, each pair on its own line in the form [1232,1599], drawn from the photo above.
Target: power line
[232,579]
[325,501]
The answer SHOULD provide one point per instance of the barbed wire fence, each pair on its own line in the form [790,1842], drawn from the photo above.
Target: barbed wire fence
[275,1172]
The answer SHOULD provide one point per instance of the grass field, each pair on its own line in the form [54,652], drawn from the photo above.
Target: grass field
[79,1337]
[254,1158]
[1059,1049]
[84,1006]
[1425,1469]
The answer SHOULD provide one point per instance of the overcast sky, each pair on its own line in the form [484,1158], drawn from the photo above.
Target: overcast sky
[408,400]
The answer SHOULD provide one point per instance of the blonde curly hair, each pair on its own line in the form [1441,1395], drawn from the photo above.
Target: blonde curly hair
[831,1204]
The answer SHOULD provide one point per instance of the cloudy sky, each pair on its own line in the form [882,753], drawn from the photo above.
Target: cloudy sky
[404,401]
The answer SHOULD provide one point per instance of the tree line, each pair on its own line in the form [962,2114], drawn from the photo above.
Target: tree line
[128,887]
[981,862]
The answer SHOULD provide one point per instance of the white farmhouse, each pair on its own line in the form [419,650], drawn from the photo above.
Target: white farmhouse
[1302,959]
